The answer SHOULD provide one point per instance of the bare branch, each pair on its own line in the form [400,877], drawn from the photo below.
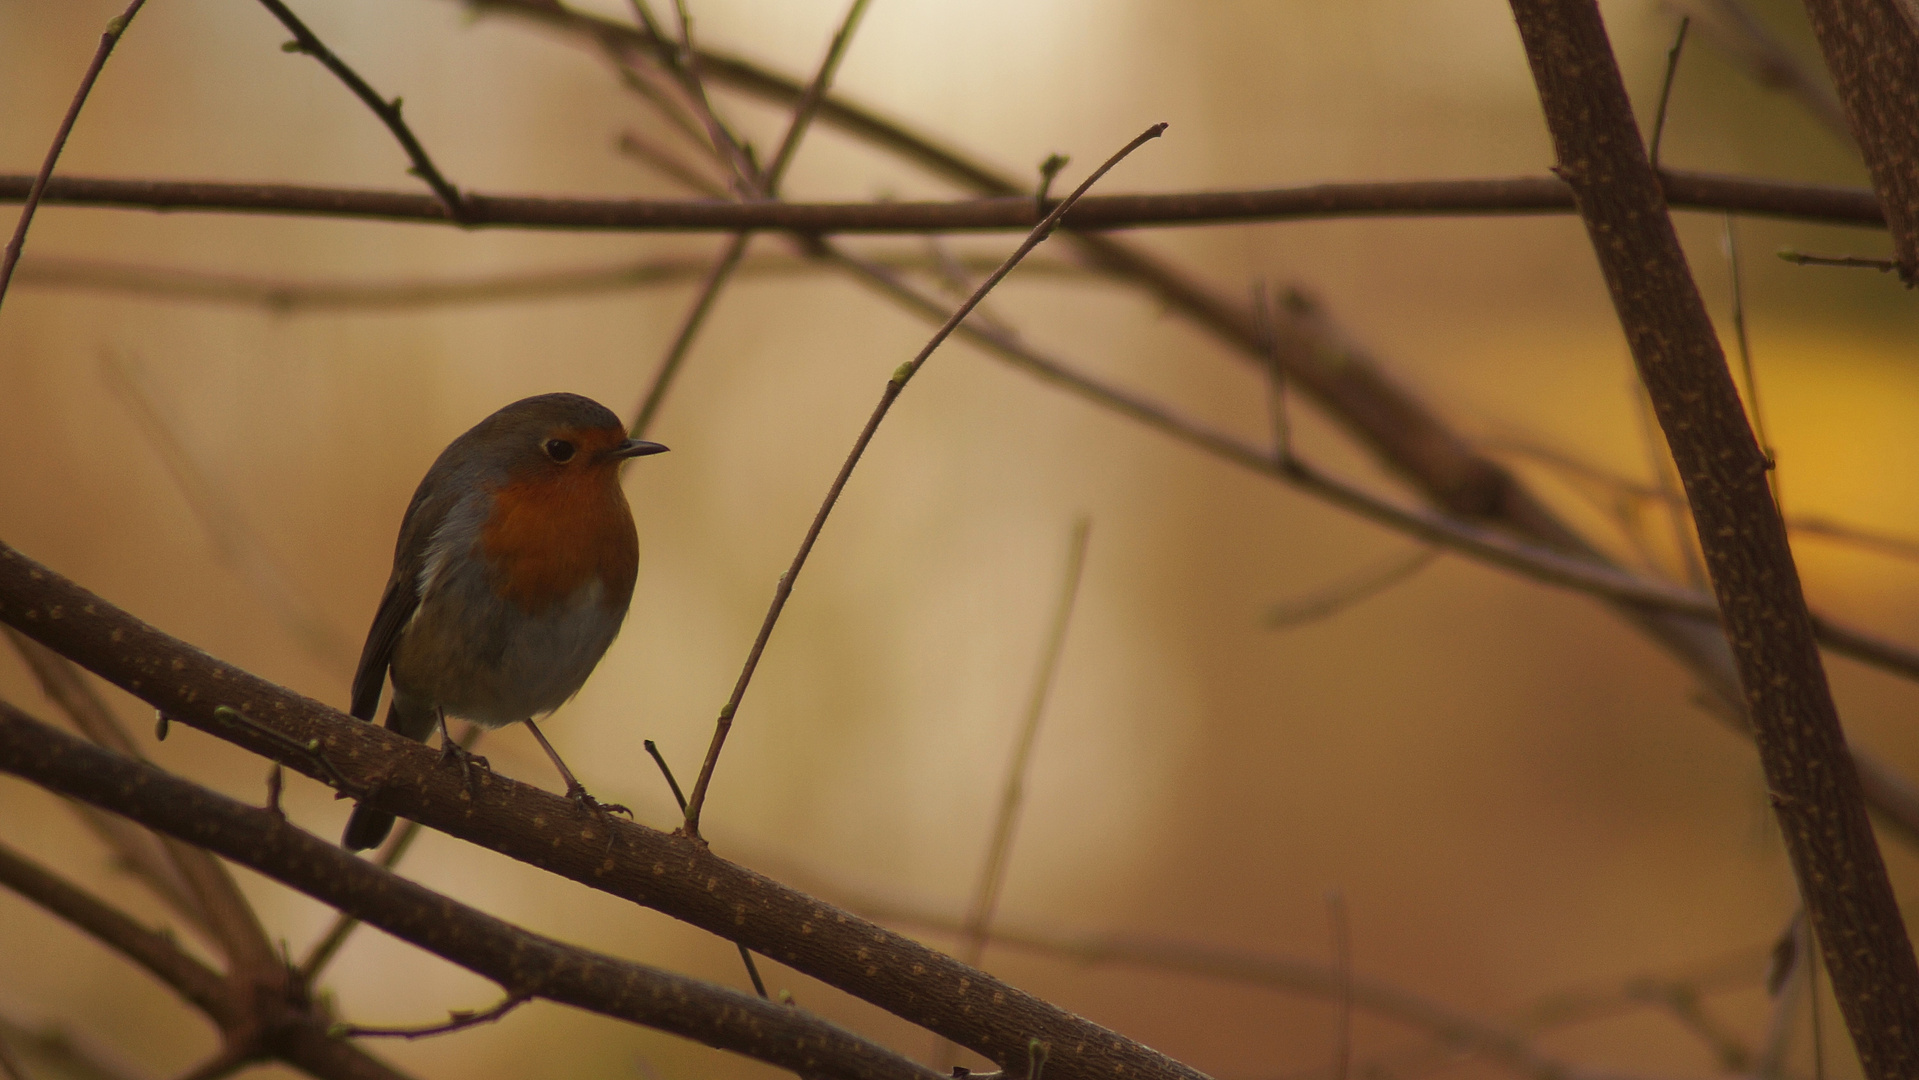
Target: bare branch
[1411,198]
[458,1020]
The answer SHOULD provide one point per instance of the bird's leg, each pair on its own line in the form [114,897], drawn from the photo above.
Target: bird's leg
[452,752]
[574,789]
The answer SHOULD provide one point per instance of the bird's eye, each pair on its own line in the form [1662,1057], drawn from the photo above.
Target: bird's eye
[558,449]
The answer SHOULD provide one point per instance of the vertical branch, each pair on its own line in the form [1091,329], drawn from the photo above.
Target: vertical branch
[1813,784]
[901,376]
[977,929]
[108,39]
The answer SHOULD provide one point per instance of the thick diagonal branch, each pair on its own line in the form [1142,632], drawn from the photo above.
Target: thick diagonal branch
[1815,789]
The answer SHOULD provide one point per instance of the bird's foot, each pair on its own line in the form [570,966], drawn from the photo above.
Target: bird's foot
[588,804]
[452,753]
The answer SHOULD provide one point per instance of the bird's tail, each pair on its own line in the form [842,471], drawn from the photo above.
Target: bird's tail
[369,825]
[366,828]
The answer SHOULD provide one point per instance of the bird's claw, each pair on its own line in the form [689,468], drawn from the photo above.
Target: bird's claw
[452,753]
[588,804]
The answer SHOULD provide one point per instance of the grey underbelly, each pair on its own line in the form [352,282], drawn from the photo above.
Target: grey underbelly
[481,659]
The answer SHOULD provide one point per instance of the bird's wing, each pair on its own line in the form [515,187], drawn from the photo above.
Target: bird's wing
[396,609]
[402,598]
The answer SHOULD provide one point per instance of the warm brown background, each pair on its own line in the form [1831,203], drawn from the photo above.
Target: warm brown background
[1511,789]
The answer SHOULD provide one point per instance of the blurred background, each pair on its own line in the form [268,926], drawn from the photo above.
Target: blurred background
[1515,795]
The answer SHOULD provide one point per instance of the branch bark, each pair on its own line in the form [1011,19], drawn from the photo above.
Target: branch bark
[1814,787]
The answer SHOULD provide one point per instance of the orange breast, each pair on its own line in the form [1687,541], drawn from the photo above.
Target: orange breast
[552,532]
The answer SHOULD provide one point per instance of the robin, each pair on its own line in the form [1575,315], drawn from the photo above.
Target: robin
[513,571]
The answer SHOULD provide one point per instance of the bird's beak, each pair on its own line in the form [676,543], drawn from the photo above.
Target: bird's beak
[634,448]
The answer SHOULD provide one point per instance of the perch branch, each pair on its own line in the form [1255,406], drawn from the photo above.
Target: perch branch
[670,873]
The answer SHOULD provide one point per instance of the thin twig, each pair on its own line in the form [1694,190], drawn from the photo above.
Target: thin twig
[746,955]
[110,37]
[979,914]
[1862,262]
[894,385]
[1785,987]
[1335,598]
[1343,964]
[668,164]
[1811,526]
[457,1020]
[1754,412]
[1732,28]
[686,65]
[976,931]
[1665,91]
[764,185]
[669,98]
[305,41]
